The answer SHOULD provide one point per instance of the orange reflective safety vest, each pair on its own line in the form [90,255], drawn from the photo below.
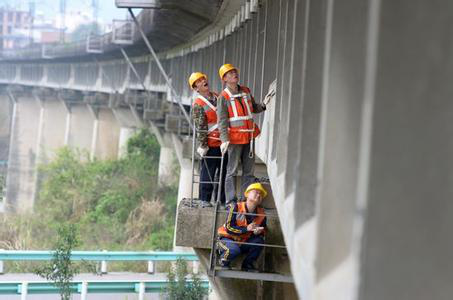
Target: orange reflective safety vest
[211,116]
[242,128]
[241,221]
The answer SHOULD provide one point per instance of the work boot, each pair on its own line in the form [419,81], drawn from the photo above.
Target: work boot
[224,265]
[205,204]
[249,268]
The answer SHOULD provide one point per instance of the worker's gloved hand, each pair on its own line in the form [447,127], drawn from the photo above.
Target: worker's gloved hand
[268,97]
[202,151]
[251,227]
[258,230]
[224,147]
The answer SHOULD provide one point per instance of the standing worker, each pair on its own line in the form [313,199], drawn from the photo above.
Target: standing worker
[205,119]
[237,129]
[245,223]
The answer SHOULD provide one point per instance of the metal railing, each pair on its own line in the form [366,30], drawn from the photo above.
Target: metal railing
[100,256]
[83,287]
[141,287]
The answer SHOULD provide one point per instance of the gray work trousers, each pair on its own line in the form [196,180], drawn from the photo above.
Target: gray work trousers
[238,154]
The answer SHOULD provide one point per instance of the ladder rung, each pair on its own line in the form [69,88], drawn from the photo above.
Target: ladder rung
[254,276]
[211,182]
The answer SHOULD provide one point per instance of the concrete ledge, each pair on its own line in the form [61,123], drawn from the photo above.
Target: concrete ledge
[194,225]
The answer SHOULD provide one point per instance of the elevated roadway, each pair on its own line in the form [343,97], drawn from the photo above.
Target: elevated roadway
[356,142]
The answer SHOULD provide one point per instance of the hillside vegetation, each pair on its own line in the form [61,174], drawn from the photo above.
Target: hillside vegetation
[114,204]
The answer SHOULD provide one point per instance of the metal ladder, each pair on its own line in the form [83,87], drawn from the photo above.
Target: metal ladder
[239,274]
[217,184]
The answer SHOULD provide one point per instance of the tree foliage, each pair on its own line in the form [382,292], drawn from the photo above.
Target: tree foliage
[179,288]
[115,204]
[61,270]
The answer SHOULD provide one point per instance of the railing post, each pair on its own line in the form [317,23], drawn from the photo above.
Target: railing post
[24,291]
[151,267]
[104,265]
[2,271]
[196,266]
[84,291]
[141,291]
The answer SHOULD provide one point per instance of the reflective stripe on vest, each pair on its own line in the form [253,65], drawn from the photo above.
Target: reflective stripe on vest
[242,128]
[235,118]
[211,116]
[211,126]
[241,221]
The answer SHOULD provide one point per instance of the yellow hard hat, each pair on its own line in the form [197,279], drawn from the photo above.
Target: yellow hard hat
[194,77]
[256,186]
[226,68]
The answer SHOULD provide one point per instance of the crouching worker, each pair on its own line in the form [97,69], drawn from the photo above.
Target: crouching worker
[246,223]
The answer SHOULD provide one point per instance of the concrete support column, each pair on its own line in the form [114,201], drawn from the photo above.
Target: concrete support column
[55,127]
[166,166]
[82,123]
[127,120]
[94,134]
[26,128]
[166,175]
[38,150]
[68,122]
[125,134]
[185,164]
[105,134]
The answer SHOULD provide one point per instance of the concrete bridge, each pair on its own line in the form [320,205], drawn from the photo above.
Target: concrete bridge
[355,142]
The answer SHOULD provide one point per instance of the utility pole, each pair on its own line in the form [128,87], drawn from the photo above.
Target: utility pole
[31,16]
[63,20]
[95,7]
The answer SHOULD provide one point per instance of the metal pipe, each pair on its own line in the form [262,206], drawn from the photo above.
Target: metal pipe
[156,59]
[256,244]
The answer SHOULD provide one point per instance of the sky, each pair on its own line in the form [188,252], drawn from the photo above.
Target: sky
[50,8]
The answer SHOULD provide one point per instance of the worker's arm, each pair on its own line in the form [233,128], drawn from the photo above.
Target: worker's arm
[230,224]
[222,118]
[257,107]
[201,124]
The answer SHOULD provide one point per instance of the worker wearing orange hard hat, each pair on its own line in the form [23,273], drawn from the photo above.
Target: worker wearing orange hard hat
[205,120]
[238,131]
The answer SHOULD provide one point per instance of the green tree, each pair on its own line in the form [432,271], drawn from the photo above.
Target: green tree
[60,269]
[117,201]
[179,288]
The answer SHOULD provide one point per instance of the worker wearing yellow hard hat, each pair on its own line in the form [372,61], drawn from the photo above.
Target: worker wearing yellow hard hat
[258,187]
[245,223]
[205,120]
[238,131]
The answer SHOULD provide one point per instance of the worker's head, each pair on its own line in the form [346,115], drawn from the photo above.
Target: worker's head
[229,74]
[255,193]
[199,82]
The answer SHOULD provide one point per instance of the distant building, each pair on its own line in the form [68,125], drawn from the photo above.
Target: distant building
[13,24]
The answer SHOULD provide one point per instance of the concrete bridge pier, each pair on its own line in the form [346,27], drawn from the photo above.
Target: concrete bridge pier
[128,124]
[106,134]
[81,125]
[166,175]
[38,128]
[185,164]
[26,132]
